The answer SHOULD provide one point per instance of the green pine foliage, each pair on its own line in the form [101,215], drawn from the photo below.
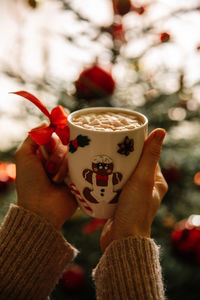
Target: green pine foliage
[179,114]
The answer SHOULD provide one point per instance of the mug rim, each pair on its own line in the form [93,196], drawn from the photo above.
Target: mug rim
[112,109]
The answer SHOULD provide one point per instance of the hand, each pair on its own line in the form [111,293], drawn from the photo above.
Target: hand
[36,191]
[140,197]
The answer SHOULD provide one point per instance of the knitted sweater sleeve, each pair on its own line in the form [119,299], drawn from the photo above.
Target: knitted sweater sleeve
[129,269]
[33,256]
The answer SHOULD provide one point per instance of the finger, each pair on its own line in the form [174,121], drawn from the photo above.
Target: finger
[43,124]
[62,172]
[160,182]
[150,155]
[40,155]
[28,147]
[49,148]
[56,159]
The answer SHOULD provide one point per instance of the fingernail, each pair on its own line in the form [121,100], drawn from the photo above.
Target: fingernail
[160,135]
[51,167]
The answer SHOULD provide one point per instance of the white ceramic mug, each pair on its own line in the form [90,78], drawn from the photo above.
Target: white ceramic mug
[97,194]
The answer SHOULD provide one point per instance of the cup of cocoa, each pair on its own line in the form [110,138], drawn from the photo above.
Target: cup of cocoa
[105,146]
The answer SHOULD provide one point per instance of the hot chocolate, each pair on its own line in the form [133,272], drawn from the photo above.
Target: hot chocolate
[107,121]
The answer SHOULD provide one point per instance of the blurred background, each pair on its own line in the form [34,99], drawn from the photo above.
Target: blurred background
[143,55]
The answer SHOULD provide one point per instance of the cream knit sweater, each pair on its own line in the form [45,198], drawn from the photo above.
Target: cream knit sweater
[33,256]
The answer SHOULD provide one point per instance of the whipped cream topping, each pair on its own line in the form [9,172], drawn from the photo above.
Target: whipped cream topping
[107,121]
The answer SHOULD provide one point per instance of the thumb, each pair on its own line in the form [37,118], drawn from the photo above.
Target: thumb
[28,146]
[151,154]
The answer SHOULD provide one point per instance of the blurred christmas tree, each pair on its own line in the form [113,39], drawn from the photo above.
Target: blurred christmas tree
[138,58]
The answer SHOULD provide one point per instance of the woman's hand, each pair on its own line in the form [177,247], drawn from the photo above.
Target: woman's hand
[140,197]
[36,191]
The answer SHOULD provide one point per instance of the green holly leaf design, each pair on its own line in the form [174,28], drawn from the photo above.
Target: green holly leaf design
[79,141]
[72,149]
[83,140]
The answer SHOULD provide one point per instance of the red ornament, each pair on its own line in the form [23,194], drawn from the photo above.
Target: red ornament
[94,83]
[73,279]
[121,7]
[7,175]
[164,37]
[197,178]
[93,225]
[58,122]
[186,239]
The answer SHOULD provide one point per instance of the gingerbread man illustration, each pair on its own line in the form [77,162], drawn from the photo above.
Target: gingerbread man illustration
[103,179]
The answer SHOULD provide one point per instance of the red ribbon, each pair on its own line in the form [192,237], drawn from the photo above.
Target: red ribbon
[58,122]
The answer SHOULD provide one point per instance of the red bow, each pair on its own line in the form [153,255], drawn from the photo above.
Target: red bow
[58,122]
